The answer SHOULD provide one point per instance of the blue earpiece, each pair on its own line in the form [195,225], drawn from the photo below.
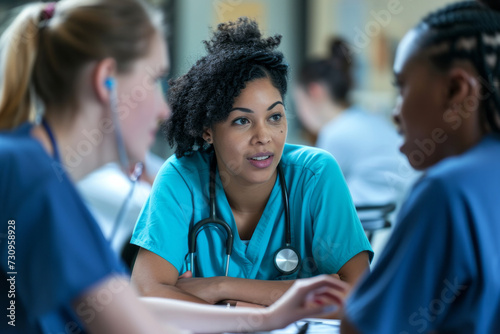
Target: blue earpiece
[109,83]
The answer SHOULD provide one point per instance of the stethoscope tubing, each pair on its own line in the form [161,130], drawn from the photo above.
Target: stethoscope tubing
[280,258]
[212,219]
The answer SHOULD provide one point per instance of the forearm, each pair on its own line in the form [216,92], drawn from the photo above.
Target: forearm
[306,298]
[209,318]
[170,292]
[260,292]
[253,291]
[121,314]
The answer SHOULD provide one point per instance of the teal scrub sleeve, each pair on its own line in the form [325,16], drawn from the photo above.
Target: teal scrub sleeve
[419,273]
[163,225]
[338,234]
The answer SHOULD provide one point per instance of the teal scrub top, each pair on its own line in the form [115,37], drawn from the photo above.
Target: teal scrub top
[325,229]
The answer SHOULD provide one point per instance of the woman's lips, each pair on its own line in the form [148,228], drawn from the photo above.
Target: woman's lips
[261,160]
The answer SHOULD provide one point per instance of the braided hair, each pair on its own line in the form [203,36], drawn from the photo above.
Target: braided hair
[471,31]
[236,55]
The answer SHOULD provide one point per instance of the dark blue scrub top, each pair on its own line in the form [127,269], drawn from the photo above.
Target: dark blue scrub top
[58,249]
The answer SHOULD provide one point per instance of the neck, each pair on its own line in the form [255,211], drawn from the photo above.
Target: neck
[249,199]
[82,146]
[462,141]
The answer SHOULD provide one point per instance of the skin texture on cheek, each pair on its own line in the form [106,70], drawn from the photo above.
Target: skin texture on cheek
[422,122]
[421,105]
[140,102]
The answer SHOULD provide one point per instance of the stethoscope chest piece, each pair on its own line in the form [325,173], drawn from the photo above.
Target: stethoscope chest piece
[286,260]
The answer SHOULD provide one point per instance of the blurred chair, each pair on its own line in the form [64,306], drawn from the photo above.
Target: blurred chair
[375,217]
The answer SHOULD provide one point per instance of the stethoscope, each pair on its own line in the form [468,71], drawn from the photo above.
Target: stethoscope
[124,161]
[286,259]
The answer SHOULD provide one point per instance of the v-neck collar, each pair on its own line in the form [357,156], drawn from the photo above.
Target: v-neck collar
[251,252]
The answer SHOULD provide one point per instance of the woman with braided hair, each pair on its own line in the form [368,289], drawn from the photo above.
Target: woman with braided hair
[440,270]
[229,110]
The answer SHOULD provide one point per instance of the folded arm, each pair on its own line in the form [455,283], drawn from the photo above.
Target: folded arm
[153,276]
[260,292]
[156,277]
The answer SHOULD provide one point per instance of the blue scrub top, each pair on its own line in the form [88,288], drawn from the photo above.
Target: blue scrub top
[440,271]
[325,229]
[58,250]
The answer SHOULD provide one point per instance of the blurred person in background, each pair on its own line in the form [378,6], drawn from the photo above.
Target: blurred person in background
[365,145]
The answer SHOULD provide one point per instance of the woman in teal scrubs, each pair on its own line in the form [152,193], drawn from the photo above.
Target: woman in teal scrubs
[230,107]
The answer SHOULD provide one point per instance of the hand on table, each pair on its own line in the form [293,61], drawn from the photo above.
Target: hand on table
[309,297]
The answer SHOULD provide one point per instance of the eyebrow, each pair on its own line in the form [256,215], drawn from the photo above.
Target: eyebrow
[251,111]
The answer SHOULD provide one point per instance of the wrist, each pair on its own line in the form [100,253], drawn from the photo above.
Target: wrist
[220,288]
[271,320]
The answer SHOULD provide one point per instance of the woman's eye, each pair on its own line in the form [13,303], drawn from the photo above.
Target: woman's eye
[276,117]
[240,121]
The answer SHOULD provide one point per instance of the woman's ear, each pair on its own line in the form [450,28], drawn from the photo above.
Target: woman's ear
[208,135]
[463,87]
[104,72]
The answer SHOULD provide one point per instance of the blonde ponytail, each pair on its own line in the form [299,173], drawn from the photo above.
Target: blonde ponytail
[43,57]
[18,45]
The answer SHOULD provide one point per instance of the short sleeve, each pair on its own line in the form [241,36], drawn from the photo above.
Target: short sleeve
[163,225]
[60,251]
[338,234]
[411,287]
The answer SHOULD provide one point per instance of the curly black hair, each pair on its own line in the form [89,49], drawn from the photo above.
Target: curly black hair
[236,55]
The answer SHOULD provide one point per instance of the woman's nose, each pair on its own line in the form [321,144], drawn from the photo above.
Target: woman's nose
[262,134]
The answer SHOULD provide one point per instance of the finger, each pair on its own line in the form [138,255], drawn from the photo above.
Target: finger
[322,306]
[325,292]
[306,285]
[325,297]
[187,274]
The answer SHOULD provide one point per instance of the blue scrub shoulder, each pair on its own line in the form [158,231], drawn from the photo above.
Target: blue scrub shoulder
[310,158]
